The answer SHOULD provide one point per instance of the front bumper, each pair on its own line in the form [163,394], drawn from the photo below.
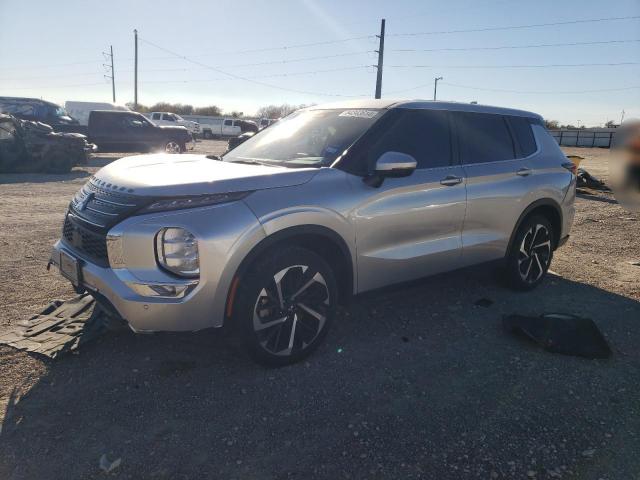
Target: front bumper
[150,299]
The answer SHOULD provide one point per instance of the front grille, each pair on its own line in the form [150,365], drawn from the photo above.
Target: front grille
[86,242]
[101,205]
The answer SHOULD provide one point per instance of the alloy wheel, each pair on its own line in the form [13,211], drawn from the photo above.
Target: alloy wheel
[534,254]
[291,310]
[172,147]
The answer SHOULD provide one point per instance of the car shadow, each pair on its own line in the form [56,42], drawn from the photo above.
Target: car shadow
[409,379]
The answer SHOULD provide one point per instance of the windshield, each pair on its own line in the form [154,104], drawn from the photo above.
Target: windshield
[312,138]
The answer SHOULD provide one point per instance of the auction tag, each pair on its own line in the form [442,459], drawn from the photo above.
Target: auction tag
[359,113]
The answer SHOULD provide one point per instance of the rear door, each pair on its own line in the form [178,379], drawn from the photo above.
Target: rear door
[498,177]
[411,227]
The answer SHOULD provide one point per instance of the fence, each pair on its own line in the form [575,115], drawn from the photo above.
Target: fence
[583,138]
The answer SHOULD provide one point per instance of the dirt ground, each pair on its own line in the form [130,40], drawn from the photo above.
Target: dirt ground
[415,381]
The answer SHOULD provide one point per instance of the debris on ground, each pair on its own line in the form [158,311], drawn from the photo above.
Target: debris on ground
[107,466]
[586,180]
[561,333]
[60,328]
[483,302]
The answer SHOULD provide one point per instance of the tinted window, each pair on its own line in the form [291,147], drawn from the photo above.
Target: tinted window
[228,122]
[156,116]
[423,134]
[524,136]
[483,137]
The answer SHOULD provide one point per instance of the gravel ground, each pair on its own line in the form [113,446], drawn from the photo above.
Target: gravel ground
[413,381]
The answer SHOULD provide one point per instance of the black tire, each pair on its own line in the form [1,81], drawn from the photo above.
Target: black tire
[530,253]
[300,315]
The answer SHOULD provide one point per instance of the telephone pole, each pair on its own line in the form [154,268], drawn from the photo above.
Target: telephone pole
[135,72]
[380,60]
[113,75]
[435,87]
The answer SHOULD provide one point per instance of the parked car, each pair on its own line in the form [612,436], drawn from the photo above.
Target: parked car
[217,127]
[235,141]
[329,202]
[37,110]
[132,131]
[248,126]
[27,146]
[81,110]
[265,122]
[173,119]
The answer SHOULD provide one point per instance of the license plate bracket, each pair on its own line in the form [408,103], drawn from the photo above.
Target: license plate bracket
[70,268]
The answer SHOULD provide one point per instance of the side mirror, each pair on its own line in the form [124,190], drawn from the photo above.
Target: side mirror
[391,164]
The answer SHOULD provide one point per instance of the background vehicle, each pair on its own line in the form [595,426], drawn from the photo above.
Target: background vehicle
[235,141]
[27,146]
[81,110]
[248,126]
[331,201]
[131,131]
[216,127]
[173,119]
[38,110]
[265,122]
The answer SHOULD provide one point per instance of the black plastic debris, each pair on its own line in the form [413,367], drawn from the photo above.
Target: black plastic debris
[483,302]
[585,180]
[561,333]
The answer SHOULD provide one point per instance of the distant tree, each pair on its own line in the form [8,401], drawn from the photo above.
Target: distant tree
[210,111]
[278,111]
[610,124]
[235,114]
[140,108]
[568,126]
[179,108]
[552,124]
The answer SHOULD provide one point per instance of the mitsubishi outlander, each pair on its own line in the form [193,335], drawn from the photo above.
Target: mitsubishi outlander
[330,201]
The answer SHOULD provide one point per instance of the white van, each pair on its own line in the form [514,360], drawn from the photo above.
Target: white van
[81,110]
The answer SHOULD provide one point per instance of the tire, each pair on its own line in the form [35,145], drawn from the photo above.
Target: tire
[530,254]
[207,135]
[172,147]
[285,305]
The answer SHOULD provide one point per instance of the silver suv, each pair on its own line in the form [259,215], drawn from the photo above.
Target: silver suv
[331,201]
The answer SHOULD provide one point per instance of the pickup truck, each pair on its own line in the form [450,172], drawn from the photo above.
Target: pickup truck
[173,119]
[216,127]
[118,131]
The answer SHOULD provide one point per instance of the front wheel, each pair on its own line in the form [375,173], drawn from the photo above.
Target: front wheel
[172,147]
[531,253]
[285,305]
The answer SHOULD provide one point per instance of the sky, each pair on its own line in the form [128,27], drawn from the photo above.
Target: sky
[241,55]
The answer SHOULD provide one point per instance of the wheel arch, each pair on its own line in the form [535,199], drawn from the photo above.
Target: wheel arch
[547,207]
[320,239]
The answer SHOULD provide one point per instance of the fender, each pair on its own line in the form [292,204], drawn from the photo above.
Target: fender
[543,202]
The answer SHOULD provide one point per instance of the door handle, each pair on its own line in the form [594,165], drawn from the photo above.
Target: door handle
[524,171]
[450,180]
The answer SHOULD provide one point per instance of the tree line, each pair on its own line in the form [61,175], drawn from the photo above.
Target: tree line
[555,125]
[268,111]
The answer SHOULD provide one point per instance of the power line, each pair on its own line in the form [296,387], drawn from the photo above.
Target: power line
[505,47]
[553,65]
[240,77]
[536,92]
[516,27]
[298,45]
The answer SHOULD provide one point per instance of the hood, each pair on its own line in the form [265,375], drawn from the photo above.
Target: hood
[175,175]
[173,128]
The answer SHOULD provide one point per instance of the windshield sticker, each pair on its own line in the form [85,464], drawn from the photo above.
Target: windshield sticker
[359,113]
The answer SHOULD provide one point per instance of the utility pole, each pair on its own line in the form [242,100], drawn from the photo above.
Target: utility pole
[435,87]
[112,76]
[380,60]
[135,72]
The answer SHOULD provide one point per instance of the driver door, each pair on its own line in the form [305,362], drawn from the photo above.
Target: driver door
[411,227]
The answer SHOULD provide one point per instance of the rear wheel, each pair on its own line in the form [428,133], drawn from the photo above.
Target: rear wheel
[285,305]
[172,147]
[531,253]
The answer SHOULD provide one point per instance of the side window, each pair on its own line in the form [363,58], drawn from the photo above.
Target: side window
[168,117]
[483,137]
[228,123]
[524,135]
[155,116]
[423,134]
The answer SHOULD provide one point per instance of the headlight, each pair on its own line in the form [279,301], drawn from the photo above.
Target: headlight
[177,252]
[193,201]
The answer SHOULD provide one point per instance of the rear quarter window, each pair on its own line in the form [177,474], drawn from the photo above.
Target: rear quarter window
[521,127]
